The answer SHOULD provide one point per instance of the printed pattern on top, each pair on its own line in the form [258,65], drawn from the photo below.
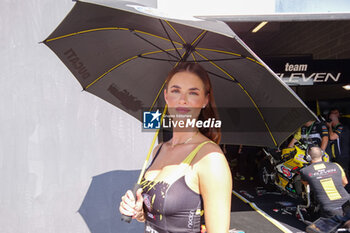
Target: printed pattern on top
[173,206]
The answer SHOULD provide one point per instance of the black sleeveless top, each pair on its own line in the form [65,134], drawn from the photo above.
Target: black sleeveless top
[173,207]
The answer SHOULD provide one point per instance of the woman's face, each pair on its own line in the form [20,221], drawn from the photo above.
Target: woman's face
[185,94]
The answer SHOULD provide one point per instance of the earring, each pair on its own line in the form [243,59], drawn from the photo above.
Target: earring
[203,106]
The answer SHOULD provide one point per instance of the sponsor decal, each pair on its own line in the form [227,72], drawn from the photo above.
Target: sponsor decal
[147,201]
[149,229]
[300,157]
[76,63]
[190,219]
[126,99]
[151,215]
[324,173]
[286,172]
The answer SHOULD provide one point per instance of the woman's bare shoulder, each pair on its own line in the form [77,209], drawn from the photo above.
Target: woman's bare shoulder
[211,161]
[208,151]
[211,147]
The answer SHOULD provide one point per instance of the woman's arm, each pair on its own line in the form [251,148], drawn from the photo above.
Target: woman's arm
[215,185]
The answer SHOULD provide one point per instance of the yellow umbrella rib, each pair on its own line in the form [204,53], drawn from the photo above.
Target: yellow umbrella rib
[108,28]
[253,60]
[230,53]
[200,35]
[86,31]
[194,59]
[146,33]
[260,113]
[178,34]
[123,62]
[160,90]
[219,51]
[214,64]
[160,51]
[182,55]
[113,68]
[251,99]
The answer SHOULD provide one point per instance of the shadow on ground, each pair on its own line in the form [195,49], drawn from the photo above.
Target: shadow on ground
[245,218]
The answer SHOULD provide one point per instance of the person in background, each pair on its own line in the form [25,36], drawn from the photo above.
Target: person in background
[246,163]
[327,181]
[231,154]
[312,133]
[335,129]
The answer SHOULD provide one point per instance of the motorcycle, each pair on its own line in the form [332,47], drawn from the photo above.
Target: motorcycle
[279,169]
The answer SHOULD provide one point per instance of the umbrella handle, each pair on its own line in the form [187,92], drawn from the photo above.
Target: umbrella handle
[137,185]
[126,218]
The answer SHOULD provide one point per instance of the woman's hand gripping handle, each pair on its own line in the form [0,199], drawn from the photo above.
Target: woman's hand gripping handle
[131,208]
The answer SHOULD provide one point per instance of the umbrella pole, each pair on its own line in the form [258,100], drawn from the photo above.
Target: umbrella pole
[151,148]
[138,184]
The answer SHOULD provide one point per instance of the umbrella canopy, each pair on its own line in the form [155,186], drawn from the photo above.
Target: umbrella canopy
[122,52]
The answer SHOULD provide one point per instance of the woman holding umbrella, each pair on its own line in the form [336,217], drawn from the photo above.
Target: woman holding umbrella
[189,180]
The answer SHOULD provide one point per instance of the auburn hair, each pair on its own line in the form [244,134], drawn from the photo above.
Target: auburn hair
[210,110]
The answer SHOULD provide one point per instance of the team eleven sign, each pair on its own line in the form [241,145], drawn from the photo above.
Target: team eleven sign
[294,71]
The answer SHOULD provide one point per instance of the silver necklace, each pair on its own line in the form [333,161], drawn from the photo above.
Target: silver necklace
[189,139]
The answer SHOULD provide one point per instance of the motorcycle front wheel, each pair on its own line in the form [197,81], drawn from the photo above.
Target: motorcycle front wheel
[267,175]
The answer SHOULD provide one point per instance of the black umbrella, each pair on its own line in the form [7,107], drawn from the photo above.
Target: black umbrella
[122,53]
